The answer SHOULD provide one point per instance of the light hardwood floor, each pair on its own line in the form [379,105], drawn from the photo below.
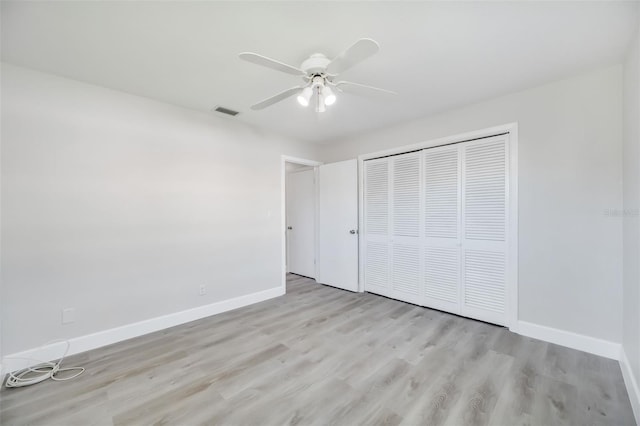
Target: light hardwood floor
[320,355]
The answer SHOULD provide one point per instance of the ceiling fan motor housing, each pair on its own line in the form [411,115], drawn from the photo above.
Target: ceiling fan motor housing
[315,64]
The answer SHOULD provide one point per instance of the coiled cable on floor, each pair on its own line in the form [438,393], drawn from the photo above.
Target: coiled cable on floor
[41,372]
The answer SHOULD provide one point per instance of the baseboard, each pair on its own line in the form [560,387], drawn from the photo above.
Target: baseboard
[88,342]
[569,339]
[631,383]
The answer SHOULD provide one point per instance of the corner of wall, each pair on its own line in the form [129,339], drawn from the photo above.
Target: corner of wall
[630,350]
[631,384]
[571,340]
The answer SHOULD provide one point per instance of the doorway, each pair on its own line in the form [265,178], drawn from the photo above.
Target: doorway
[335,221]
[299,217]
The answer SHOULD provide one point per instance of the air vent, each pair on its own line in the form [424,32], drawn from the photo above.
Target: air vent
[227,111]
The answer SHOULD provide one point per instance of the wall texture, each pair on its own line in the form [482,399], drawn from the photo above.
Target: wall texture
[631,168]
[570,193]
[121,207]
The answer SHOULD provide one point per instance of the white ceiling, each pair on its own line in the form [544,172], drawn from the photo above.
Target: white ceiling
[436,55]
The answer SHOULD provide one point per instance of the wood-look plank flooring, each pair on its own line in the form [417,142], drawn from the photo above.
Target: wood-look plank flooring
[320,355]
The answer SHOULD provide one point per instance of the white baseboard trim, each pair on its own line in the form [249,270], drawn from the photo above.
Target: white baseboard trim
[631,383]
[569,339]
[88,342]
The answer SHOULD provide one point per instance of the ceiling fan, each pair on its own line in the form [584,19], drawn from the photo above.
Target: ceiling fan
[319,74]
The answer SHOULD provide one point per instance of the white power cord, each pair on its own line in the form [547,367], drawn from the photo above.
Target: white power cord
[41,372]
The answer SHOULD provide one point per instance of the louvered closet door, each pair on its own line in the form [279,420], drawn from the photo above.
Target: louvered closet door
[441,187]
[406,248]
[484,244]
[376,250]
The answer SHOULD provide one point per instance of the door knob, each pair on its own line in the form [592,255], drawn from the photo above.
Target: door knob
[353,231]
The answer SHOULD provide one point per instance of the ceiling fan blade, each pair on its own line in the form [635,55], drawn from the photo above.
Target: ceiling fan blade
[362,89]
[359,51]
[276,98]
[270,63]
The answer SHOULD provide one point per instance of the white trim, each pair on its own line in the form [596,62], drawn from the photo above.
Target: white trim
[512,250]
[632,385]
[316,223]
[570,339]
[102,338]
[511,128]
[361,249]
[283,212]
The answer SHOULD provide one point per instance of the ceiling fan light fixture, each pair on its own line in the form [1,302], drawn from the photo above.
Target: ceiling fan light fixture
[320,105]
[328,95]
[305,96]
[318,72]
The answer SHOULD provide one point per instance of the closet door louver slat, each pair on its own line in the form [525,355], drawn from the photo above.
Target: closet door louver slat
[406,272]
[485,202]
[441,192]
[442,277]
[377,198]
[377,264]
[406,195]
[484,280]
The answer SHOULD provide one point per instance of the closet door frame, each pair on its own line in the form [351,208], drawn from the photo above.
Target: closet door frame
[512,201]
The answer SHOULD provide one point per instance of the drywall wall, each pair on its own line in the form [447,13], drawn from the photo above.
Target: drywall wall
[121,207]
[631,220]
[570,178]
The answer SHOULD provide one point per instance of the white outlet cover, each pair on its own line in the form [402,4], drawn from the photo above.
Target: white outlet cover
[68,315]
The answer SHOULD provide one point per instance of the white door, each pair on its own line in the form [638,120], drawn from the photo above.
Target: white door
[338,225]
[377,250]
[301,206]
[405,242]
[442,244]
[485,186]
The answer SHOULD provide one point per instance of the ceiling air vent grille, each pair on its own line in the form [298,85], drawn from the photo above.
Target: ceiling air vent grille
[226,111]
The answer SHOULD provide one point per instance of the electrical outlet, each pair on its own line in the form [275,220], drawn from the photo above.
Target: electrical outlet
[203,290]
[68,315]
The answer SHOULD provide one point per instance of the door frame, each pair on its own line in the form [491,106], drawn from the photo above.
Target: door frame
[284,159]
[512,200]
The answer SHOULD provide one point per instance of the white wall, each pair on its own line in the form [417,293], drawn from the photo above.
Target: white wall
[631,167]
[570,172]
[121,207]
